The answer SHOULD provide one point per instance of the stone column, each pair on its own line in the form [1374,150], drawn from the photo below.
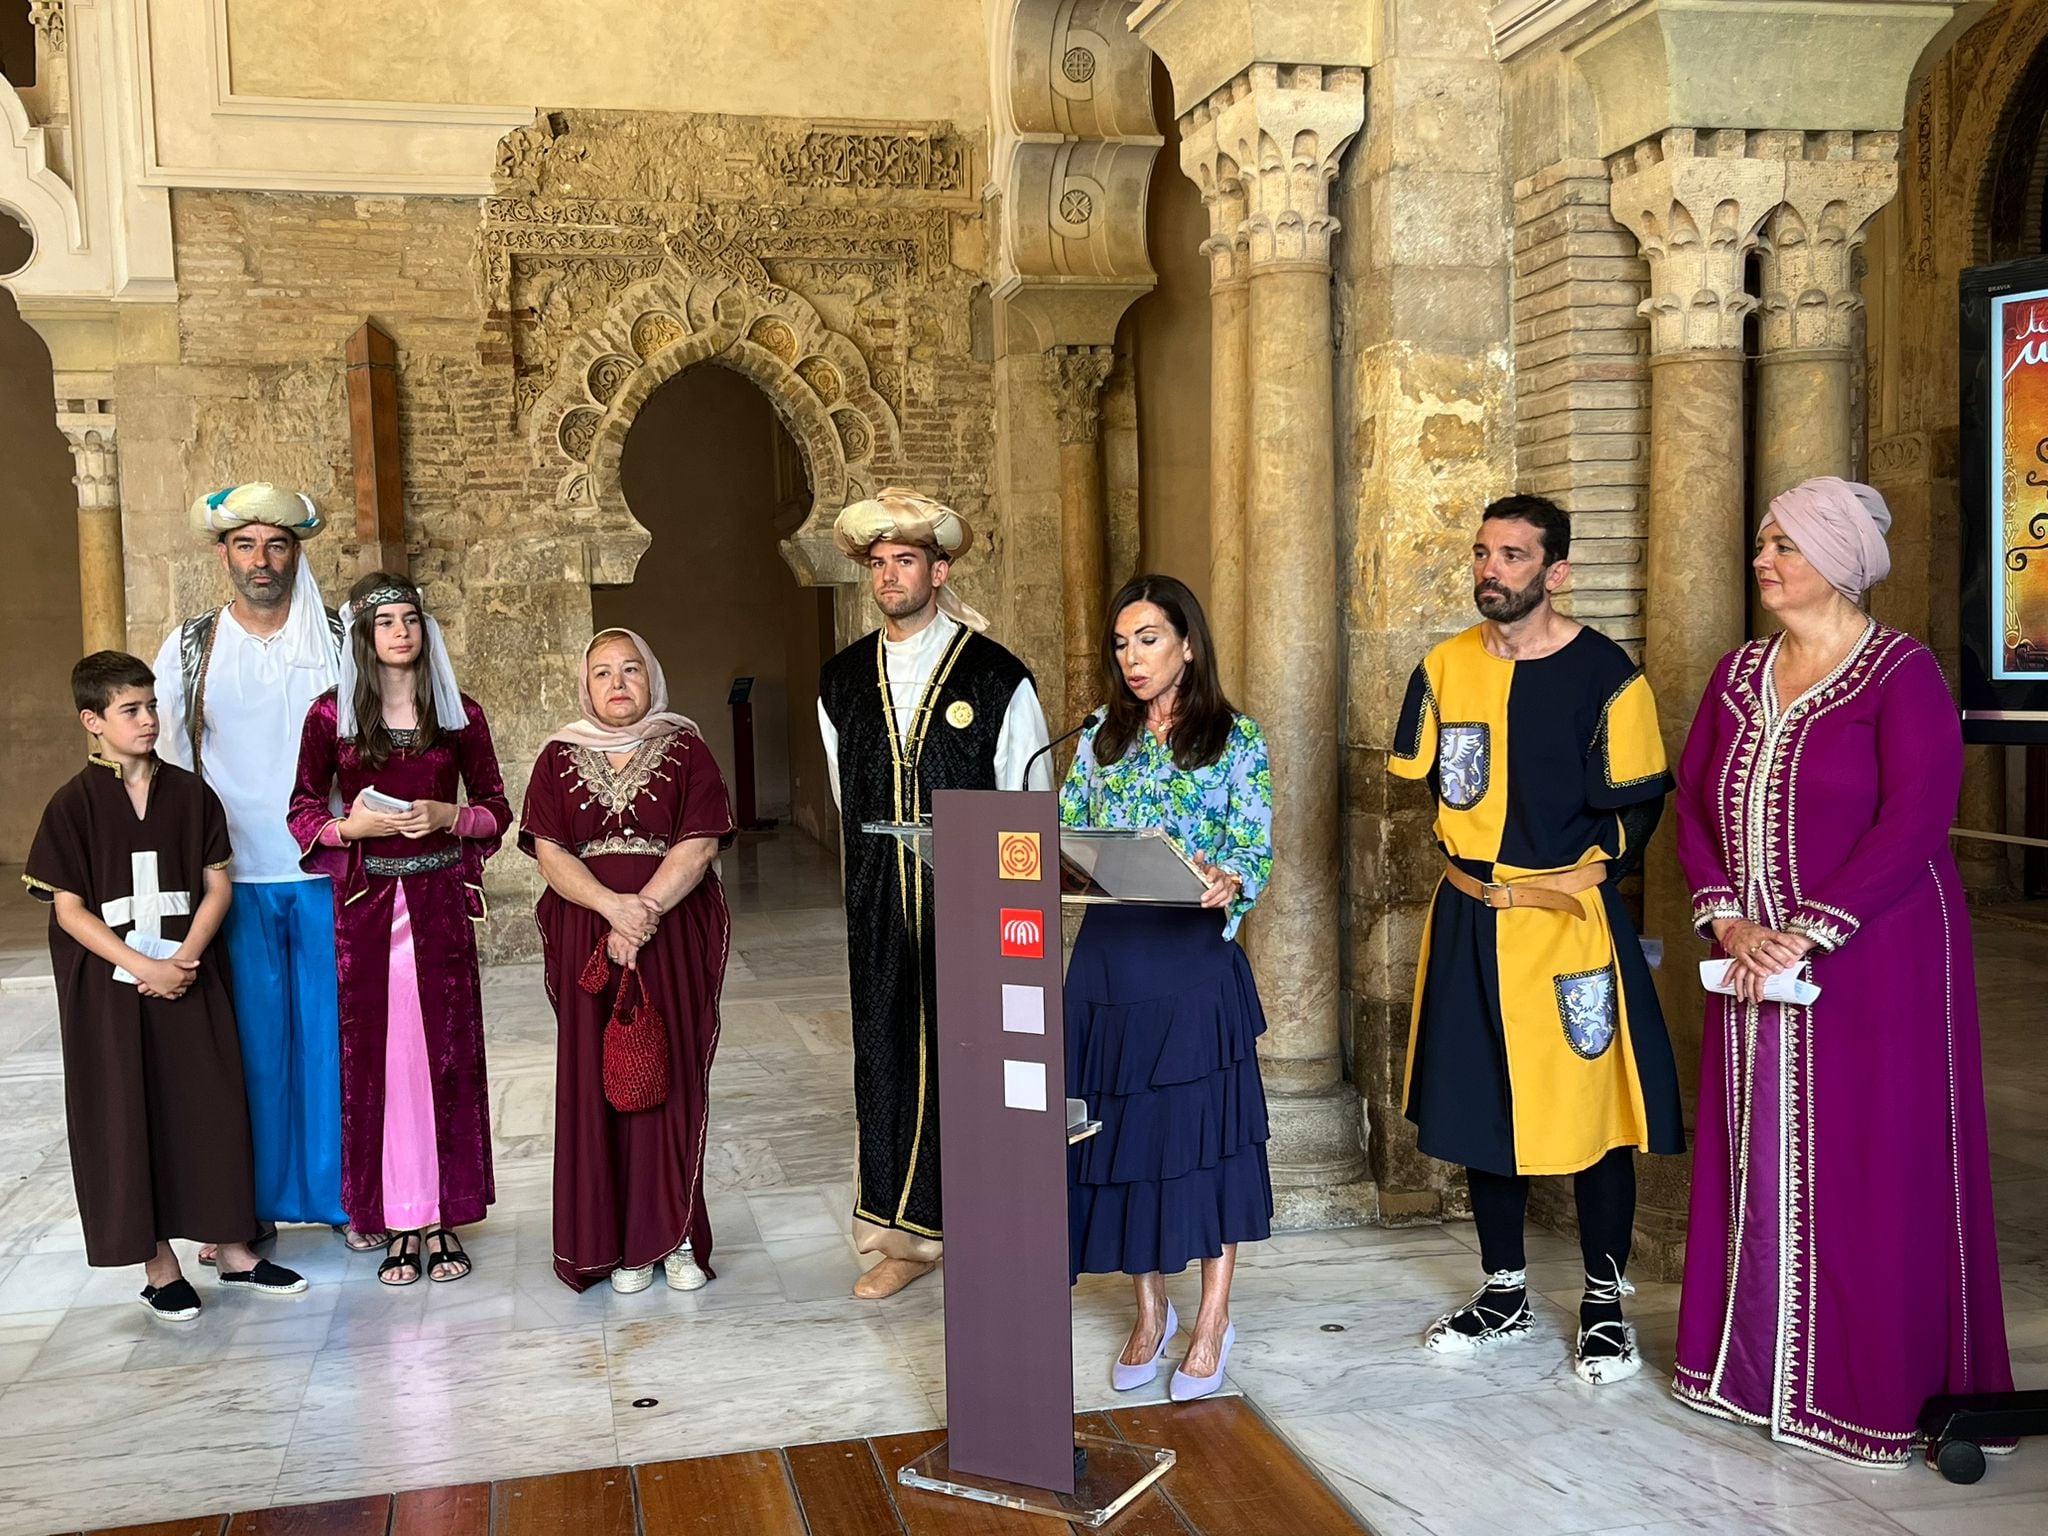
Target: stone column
[88,427]
[1076,375]
[1223,195]
[1835,184]
[1292,123]
[1694,201]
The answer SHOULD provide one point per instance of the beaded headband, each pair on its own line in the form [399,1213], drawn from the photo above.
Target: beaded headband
[371,601]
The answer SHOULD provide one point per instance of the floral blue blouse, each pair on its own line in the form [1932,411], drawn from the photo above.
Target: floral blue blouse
[1222,813]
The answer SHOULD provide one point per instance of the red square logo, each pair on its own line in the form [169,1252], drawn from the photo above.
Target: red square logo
[1023,933]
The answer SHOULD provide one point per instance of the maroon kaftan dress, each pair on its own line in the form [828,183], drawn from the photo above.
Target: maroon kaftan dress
[629,1187]
[429,893]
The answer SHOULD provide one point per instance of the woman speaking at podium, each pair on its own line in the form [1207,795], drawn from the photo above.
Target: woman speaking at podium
[1161,1013]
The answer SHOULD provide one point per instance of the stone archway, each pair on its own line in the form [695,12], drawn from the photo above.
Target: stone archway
[816,378]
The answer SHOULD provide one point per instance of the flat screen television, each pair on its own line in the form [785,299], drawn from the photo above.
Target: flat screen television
[2004,482]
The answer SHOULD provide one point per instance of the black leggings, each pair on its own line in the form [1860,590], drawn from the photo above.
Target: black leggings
[1607,1211]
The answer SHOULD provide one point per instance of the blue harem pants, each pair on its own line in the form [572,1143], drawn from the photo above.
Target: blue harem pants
[280,938]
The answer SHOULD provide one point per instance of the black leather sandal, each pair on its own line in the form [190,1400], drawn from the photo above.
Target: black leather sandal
[407,1257]
[444,1248]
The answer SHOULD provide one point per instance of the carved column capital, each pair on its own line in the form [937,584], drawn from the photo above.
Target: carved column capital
[1204,163]
[87,422]
[88,427]
[1694,199]
[1835,184]
[1077,375]
[1282,127]
[47,17]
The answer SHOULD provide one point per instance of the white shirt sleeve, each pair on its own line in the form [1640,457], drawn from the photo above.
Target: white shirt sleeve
[171,744]
[831,737]
[1023,735]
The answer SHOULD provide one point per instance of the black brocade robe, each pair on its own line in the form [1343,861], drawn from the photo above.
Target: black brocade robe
[891,963]
[153,1093]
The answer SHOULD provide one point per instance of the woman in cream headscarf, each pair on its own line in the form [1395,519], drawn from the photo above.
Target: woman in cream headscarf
[625,813]
[1841,1266]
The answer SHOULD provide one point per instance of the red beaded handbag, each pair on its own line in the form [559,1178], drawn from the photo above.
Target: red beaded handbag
[635,1038]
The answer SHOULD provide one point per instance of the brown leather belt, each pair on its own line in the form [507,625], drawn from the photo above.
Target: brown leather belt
[1553,893]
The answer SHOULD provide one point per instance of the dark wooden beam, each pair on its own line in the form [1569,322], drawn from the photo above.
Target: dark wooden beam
[373,446]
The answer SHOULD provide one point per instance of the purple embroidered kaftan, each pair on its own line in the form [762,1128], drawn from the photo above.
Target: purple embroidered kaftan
[382,921]
[1841,1266]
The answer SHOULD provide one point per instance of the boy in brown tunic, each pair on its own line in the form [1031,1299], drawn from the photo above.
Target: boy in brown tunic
[132,856]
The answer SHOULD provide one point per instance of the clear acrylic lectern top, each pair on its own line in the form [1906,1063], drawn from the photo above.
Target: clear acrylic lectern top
[1138,866]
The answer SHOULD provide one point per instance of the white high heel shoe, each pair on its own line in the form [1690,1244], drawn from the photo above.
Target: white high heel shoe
[1185,1388]
[1128,1378]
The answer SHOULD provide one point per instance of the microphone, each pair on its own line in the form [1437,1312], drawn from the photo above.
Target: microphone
[1094,717]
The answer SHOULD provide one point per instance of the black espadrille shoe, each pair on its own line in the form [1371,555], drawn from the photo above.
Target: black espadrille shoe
[174,1303]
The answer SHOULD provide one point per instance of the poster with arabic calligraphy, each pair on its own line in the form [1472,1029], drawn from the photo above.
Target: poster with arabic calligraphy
[2002,430]
[2019,490]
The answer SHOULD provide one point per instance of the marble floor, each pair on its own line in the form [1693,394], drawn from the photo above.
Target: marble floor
[107,1416]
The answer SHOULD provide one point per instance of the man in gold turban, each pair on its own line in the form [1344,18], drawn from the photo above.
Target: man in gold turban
[234,684]
[954,710]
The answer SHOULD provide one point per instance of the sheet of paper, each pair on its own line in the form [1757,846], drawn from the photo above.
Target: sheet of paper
[1785,987]
[143,944]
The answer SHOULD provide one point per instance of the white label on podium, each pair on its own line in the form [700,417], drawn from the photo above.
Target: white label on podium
[1023,1010]
[1024,1085]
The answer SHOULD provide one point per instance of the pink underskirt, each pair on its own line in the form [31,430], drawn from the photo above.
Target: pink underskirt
[412,1163]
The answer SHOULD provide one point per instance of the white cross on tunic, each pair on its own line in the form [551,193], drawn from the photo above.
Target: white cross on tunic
[146,908]
[150,904]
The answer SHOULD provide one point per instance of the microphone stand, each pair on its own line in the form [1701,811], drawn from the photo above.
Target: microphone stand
[1093,717]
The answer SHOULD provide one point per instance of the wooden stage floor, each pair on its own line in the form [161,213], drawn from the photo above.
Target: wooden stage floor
[1234,1477]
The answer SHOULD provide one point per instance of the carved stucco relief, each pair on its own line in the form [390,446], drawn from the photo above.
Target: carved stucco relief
[801,280]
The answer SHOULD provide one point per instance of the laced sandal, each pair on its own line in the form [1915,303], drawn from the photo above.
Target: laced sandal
[1606,1348]
[1497,1313]
[444,1251]
[407,1256]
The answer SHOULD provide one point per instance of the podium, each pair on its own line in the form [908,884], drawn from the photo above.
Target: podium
[998,859]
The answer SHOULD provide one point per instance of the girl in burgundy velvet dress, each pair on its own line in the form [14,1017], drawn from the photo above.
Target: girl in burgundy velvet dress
[397,741]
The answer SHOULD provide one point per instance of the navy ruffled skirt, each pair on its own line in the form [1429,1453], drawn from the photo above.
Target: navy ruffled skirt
[1161,1020]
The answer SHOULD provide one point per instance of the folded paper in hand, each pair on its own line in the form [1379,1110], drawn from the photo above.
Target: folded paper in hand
[1785,987]
[145,944]
[377,800]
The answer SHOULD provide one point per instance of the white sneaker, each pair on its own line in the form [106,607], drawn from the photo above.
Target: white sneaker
[627,1281]
[683,1273]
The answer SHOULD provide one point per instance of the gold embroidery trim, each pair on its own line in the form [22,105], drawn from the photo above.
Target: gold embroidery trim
[619,842]
[911,890]
[617,788]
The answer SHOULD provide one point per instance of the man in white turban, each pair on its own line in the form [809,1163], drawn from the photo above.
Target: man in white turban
[234,684]
[958,712]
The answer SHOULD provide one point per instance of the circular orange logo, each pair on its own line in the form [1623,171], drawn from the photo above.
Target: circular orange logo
[1017,855]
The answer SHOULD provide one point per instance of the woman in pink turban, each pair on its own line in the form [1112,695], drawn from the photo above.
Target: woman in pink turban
[1841,1266]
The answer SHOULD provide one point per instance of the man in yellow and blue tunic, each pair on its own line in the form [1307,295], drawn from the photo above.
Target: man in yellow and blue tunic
[1537,1046]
